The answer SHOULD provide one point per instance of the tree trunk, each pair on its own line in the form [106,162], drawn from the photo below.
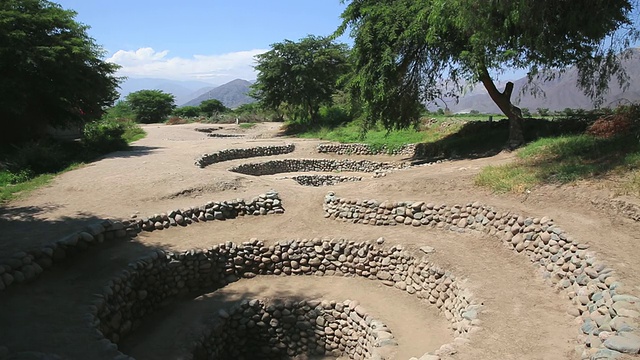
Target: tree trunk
[503,100]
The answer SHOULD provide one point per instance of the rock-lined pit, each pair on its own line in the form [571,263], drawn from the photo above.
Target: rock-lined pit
[317,165]
[160,277]
[324,180]
[232,154]
[282,329]
[609,318]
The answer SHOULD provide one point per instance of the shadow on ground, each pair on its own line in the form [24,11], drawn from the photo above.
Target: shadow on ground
[21,227]
[478,139]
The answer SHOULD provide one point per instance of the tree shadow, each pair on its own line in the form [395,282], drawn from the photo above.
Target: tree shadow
[23,228]
[131,152]
[479,139]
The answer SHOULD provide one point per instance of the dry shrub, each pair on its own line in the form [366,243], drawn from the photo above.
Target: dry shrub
[621,122]
[176,120]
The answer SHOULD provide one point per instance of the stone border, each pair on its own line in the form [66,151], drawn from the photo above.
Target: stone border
[25,266]
[215,135]
[365,149]
[208,130]
[243,153]
[280,329]
[610,318]
[323,180]
[153,280]
[318,165]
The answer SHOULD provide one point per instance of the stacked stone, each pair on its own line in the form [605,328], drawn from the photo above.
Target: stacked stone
[25,266]
[159,277]
[268,203]
[283,329]
[324,180]
[214,135]
[366,149]
[208,130]
[610,318]
[232,154]
[318,165]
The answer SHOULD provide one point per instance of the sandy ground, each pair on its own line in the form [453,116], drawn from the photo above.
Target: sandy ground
[523,317]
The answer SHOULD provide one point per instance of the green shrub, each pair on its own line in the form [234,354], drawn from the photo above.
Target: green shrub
[333,116]
[36,157]
[104,136]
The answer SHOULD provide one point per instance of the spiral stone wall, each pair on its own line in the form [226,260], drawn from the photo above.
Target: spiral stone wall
[24,266]
[324,180]
[282,329]
[366,149]
[610,318]
[232,154]
[160,277]
[319,165]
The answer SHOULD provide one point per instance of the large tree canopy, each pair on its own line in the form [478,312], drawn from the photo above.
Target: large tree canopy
[300,75]
[151,106]
[52,71]
[405,49]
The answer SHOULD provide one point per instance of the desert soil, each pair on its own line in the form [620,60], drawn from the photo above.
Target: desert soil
[523,317]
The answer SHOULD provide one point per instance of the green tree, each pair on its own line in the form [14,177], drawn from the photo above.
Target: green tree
[187,111]
[404,49]
[212,106]
[121,110]
[543,111]
[300,76]
[151,106]
[52,71]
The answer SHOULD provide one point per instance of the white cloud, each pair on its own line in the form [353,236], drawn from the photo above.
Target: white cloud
[146,62]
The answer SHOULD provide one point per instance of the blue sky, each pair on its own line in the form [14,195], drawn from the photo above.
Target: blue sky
[212,41]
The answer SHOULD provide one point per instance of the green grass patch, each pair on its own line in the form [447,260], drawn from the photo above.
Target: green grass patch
[565,159]
[10,189]
[133,132]
[378,137]
[247,125]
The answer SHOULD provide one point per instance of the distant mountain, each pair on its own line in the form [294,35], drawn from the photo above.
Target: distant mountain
[231,94]
[182,90]
[559,93]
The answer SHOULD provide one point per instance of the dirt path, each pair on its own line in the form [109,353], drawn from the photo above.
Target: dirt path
[523,318]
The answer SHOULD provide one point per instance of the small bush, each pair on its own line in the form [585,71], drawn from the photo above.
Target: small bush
[176,120]
[36,157]
[104,136]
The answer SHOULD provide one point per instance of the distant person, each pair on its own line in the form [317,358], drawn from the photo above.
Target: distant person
[237,121]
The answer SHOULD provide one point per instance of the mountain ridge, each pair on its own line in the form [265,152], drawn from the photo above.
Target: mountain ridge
[231,94]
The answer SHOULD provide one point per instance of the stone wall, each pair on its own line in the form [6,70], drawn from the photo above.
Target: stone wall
[152,281]
[318,165]
[232,154]
[365,149]
[324,180]
[284,329]
[24,266]
[610,318]
[214,135]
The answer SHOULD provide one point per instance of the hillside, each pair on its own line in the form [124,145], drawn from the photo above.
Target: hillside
[558,94]
[182,90]
[231,94]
